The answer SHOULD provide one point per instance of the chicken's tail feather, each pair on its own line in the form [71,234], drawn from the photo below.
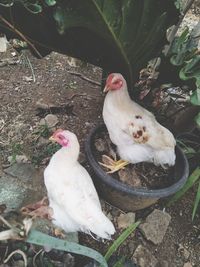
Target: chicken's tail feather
[101,226]
[164,157]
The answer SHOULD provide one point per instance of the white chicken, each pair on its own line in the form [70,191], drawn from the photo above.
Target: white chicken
[71,192]
[133,129]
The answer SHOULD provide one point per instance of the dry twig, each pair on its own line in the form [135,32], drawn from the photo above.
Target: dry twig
[84,77]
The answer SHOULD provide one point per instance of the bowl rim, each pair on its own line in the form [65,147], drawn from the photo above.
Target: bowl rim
[124,188]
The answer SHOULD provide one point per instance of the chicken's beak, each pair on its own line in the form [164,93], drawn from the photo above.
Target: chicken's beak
[106,88]
[52,139]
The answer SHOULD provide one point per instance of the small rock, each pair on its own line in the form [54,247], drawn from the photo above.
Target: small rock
[143,257]
[156,226]
[50,120]
[40,104]
[130,177]
[25,171]
[100,145]
[42,142]
[187,264]
[124,220]
[18,159]
[184,252]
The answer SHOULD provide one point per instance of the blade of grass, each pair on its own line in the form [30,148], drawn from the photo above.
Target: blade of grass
[120,262]
[196,202]
[190,182]
[120,240]
[41,239]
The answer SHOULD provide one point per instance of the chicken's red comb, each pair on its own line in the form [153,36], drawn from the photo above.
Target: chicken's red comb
[110,77]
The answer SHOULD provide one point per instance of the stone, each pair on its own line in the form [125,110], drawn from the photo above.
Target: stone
[143,257]
[100,145]
[42,141]
[156,226]
[25,171]
[124,220]
[14,195]
[41,104]
[187,264]
[129,176]
[50,120]
[18,159]
[184,252]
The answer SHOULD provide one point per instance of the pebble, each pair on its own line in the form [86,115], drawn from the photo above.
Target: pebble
[124,220]
[156,226]
[143,257]
[50,120]
[25,171]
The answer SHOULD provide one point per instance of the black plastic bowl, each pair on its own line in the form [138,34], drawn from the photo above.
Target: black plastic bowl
[129,198]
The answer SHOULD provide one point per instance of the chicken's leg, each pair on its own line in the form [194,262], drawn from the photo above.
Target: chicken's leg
[112,164]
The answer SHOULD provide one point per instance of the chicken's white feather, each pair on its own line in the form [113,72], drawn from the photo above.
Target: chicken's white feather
[124,117]
[72,195]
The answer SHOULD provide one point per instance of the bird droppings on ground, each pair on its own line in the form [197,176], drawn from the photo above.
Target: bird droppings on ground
[20,135]
[155,226]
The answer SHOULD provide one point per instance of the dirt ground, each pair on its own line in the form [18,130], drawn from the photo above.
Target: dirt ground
[83,100]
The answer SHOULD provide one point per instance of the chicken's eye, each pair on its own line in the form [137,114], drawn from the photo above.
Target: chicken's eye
[116,82]
[60,137]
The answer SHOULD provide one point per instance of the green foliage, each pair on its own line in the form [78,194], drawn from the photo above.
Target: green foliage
[41,239]
[185,54]
[117,35]
[43,130]
[193,179]
[124,235]
[46,152]
[16,150]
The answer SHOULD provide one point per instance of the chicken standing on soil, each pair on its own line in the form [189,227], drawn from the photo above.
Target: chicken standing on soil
[133,129]
[71,192]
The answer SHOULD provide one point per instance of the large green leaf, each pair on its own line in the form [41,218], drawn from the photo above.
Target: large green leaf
[117,35]
[41,239]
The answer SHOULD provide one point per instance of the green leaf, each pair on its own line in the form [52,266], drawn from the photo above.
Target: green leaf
[193,178]
[195,97]
[41,239]
[197,119]
[120,262]
[191,69]
[196,202]
[121,36]
[33,8]
[50,2]
[125,234]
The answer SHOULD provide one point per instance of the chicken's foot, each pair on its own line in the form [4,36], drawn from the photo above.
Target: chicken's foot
[113,165]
